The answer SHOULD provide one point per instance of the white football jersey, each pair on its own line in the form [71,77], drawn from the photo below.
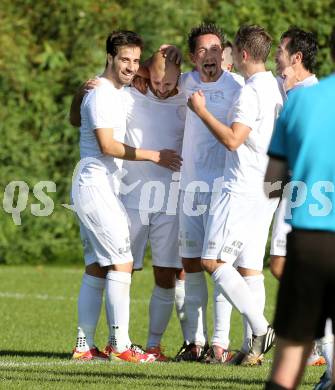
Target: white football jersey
[102,107]
[257,106]
[203,156]
[155,124]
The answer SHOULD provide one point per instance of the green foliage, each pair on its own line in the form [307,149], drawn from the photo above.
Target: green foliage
[47,48]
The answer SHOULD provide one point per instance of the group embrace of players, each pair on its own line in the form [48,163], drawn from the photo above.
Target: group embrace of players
[194,152]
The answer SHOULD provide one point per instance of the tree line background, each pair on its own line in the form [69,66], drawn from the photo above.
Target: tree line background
[49,47]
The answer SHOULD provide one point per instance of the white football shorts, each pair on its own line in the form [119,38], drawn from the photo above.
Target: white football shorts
[161,232]
[103,225]
[238,228]
[193,215]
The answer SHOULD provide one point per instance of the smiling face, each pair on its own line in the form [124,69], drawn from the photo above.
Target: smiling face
[207,57]
[283,58]
[125,64]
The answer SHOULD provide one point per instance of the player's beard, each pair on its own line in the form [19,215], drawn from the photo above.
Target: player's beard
[160,95]
[211,71]
[120,78]
[165,95]
[126,79]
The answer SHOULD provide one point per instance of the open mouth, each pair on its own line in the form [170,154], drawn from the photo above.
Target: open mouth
[209,66]
[127,74]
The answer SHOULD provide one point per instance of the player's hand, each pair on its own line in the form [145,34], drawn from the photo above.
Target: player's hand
[289,77]
[172,53]
[168,158]
[91,84]
[197,102]
[140,83]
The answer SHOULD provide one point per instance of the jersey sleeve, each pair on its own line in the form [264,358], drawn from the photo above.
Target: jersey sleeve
[246,110]
[100,109]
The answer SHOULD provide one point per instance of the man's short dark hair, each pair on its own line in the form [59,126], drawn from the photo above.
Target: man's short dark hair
[255,40]
[303,41]
[204,29]
[332,44]
[122,38]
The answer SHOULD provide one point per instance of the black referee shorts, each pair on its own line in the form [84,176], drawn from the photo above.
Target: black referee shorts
[306,296]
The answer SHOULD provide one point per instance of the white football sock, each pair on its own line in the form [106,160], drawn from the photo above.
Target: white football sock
[180,307]
[160,310]
[327,346]
[117,304]
[89,307]
[257,288]
[196,298]
[235,289]
[222,314]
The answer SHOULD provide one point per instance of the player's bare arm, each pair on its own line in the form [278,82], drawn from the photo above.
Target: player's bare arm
[143,70]
[275,173]
[109,146]
[75,118]
[141,84]
[232,137]
[141,79]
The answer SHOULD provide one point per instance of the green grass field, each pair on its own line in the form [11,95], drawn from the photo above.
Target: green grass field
[38,330]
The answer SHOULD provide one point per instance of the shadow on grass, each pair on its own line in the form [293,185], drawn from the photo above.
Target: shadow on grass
[44,354]
[149,380]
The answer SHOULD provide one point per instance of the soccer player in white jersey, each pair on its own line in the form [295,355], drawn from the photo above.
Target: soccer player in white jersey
[103,221]
[156,120]
[239,223]
[295,58]
[201,174]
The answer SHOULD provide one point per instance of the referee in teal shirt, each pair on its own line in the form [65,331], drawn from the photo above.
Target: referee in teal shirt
[304,145]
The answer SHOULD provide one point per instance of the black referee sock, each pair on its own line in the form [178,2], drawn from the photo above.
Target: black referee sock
[273,386]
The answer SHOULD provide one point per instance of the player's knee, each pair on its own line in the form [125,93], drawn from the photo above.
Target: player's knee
[277,266]
[165,277]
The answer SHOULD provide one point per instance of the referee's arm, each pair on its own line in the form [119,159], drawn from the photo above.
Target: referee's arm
[276,177]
